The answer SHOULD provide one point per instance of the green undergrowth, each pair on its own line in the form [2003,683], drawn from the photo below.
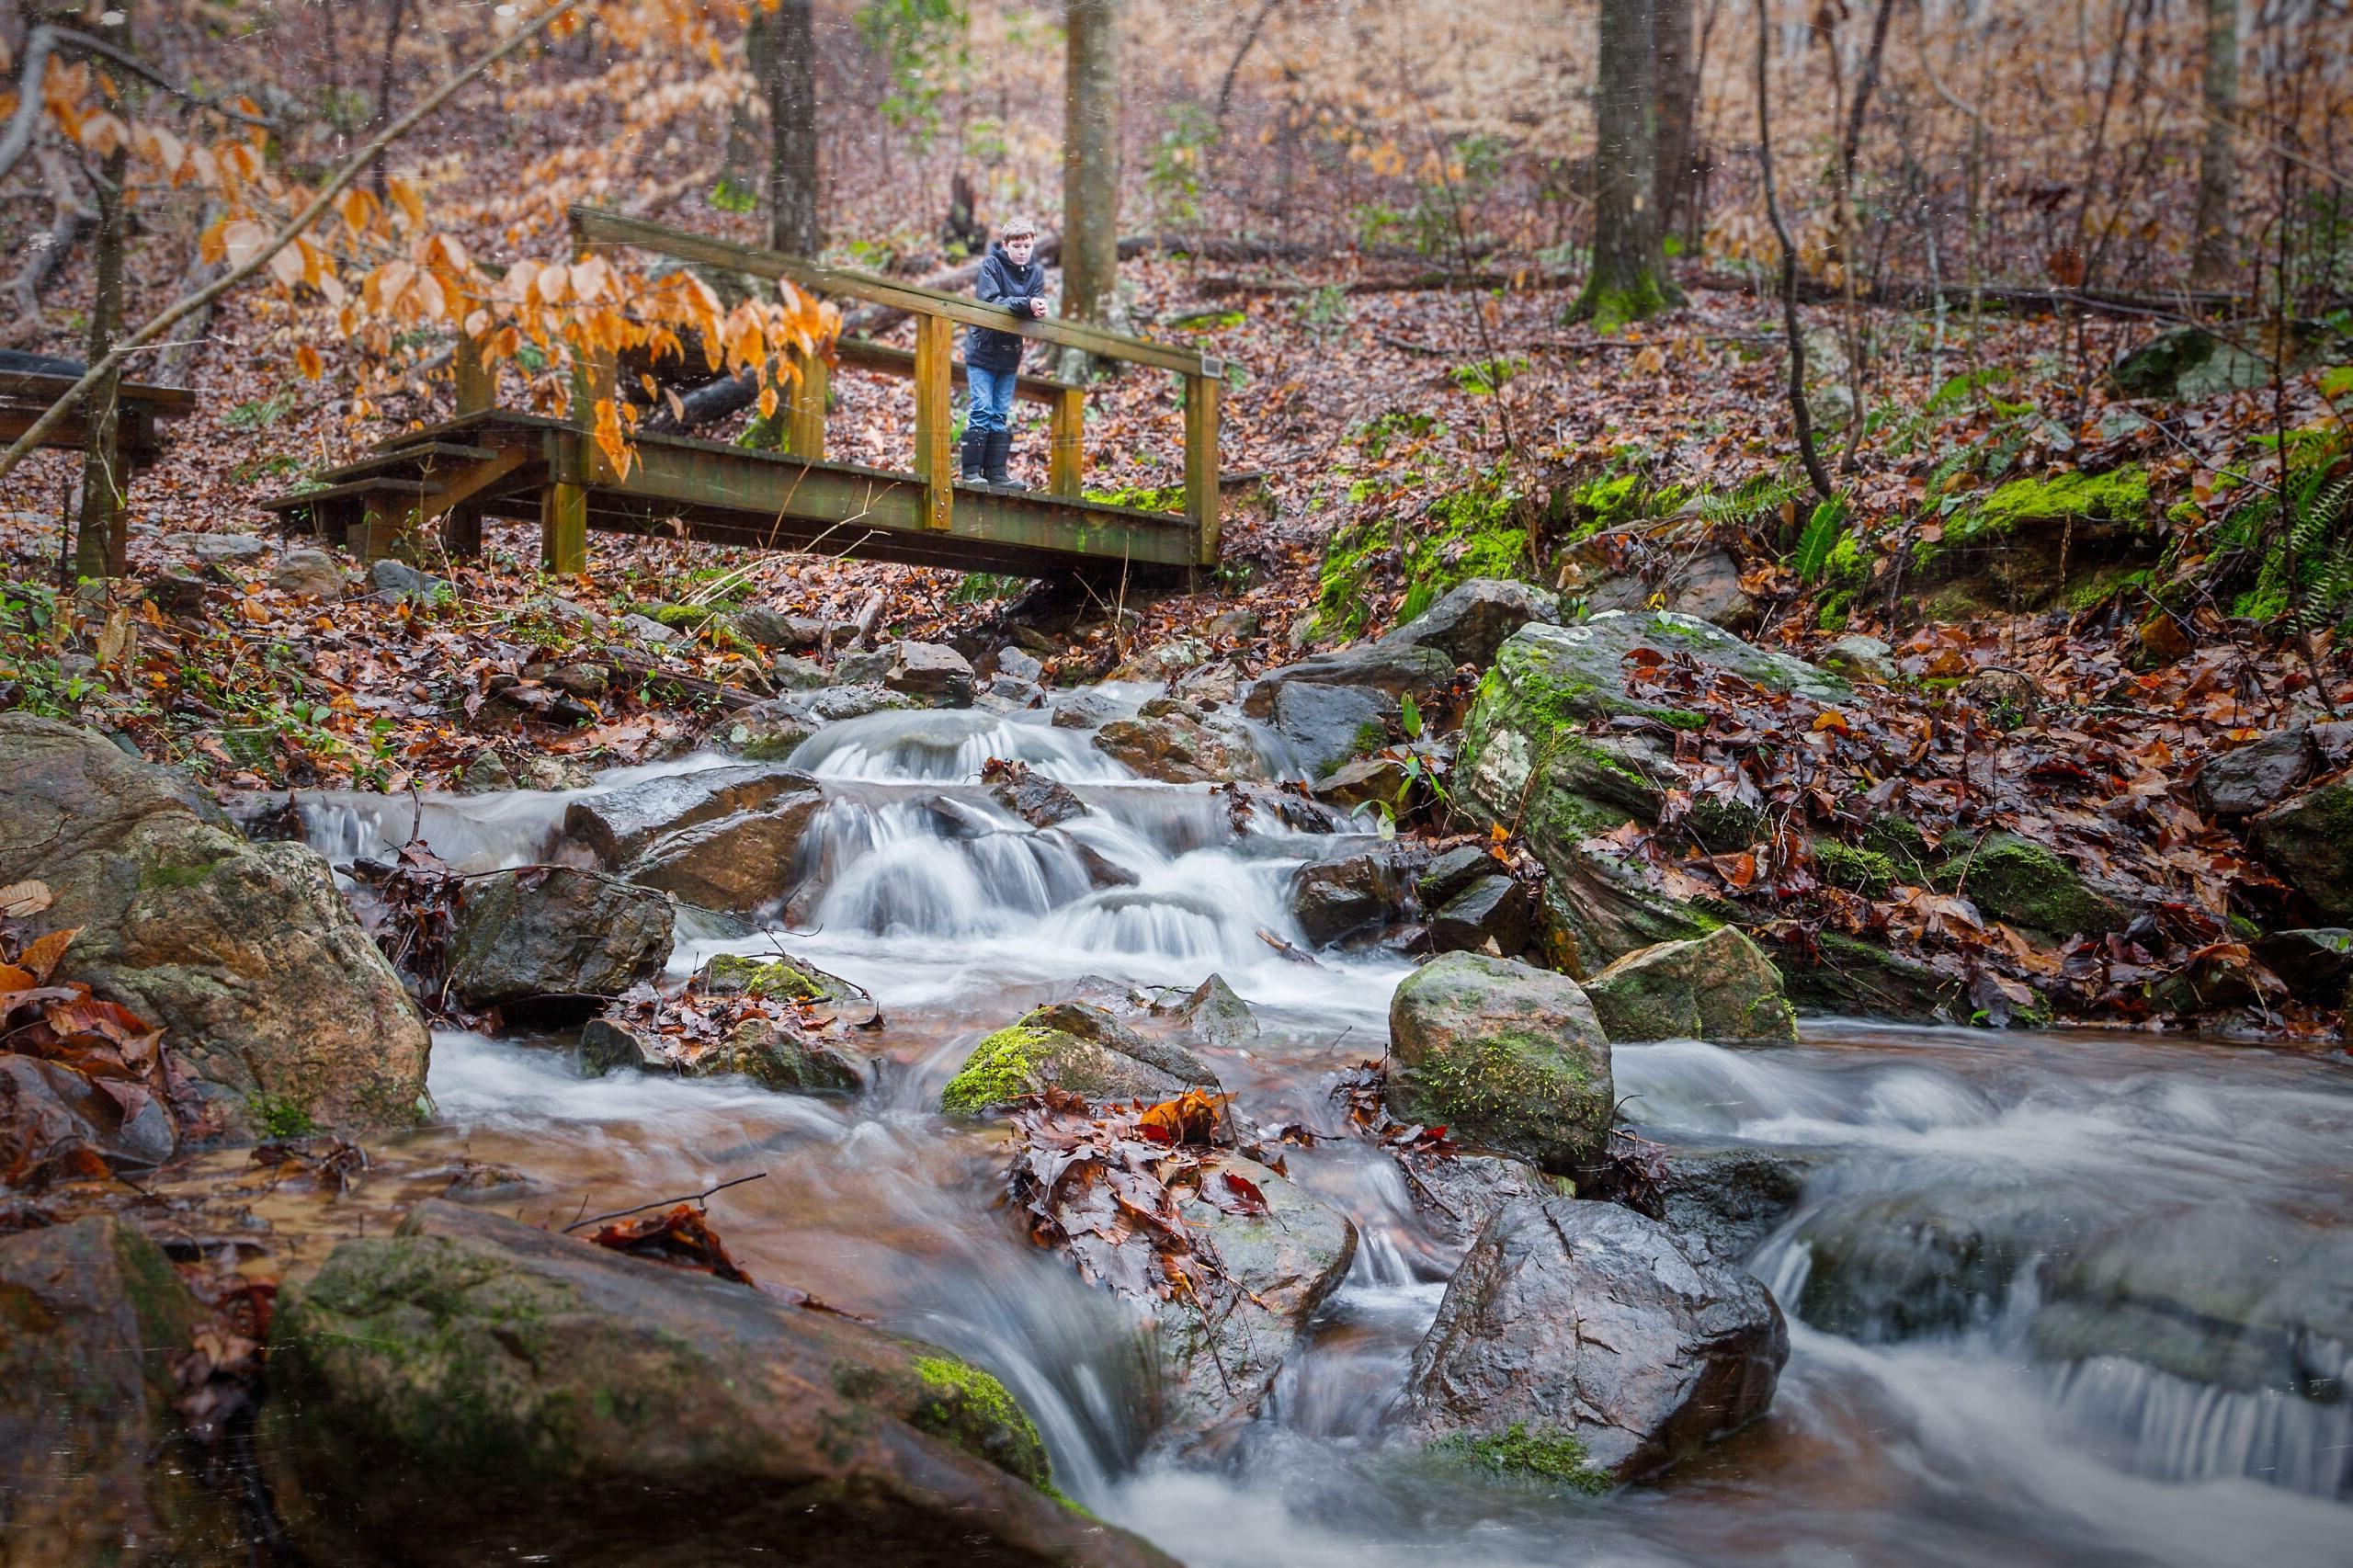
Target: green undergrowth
[1475,531]
[1142,498]
[2298,538]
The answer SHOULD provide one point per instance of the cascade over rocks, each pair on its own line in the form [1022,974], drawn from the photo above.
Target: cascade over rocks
[1717,988]
[555,937]
[245,953]
[471,1389]
[91,1316]
[772,731]
[1586,1324]
[1506,1056]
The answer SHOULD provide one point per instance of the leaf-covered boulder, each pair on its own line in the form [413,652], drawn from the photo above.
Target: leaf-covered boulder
[1075,1046]
[470,1390]
[270,993]
[1718,987]
[91,1316]
[1505,1055]
[1579,1344]
[555,937]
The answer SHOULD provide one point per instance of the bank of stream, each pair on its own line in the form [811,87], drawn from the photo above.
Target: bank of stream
[2082,1298]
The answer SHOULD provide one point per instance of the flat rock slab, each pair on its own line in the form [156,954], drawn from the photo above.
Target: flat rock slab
[619,824]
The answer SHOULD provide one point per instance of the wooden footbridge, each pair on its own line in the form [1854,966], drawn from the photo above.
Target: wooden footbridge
[444,479]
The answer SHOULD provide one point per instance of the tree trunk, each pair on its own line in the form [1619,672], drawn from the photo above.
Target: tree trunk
[1091,160]
[781,46]
[1629,280]
[2212,261]
[1677,67]
[100,546]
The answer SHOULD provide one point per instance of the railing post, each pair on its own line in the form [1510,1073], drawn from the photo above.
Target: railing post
[563,529]
[477,385]
[935,458]
[804,435]
[1066,465]
[1201,455]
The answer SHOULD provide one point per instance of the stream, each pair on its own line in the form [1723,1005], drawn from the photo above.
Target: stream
[1969,1382]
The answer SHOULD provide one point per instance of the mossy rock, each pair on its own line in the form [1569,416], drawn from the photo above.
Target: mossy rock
[785,978]
[1029,1055]
[2308,840]
[1547,1457]
[2018,882]
[1507,1056]
[2037,541]
[1866,871]
[1718,988]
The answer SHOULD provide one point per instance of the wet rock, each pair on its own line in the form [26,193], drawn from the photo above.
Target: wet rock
[601,1394]
[2317,963]
[244,953]
[1331,900]
[1367,780]
[1721,1199]
[619,825]
[1470,620]
[1704,584]
[1212,1014]
[1451,872]
[1585,1329]
[764,626]
[1456,1195]
[740,862]
[554,938]
[1597,905]
[2308,841]
[739,974]
[2018,880]
[609,1045]
[48,1111]
[635,628]
[397,580]
[1088,710]
[1077,1046]
[1842,974]
[1896,1266]
[791,672]
[1212,684]
[1008,694]
[931,673]
[1162,660]
[1489,912]
[1221,1356]
[1020,664]
[308,573]
[776,1054]
[91,1316]
[2260,774]
[864,667]
[1508,1056]
[1869,660]
[2230,1294]
[773,730]
[555,773]
[1336,705]
[1717,988]
[1179,743]
[1038,800]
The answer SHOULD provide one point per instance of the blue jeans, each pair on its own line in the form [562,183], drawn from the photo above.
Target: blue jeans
[992,405]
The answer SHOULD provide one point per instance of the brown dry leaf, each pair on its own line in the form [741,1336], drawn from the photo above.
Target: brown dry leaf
[42,957]
[19,901]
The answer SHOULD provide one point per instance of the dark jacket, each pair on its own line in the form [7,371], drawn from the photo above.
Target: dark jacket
[1002,282]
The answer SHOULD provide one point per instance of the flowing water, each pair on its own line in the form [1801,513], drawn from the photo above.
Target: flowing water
[2053,1299]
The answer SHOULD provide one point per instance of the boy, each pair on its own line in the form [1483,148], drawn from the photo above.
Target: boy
[992,358]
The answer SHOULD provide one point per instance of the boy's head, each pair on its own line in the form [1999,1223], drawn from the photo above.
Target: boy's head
[1020,237]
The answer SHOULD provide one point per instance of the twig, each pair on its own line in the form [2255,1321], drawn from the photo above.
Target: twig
[702,1198]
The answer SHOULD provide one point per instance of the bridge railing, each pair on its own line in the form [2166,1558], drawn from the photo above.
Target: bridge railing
[933,368]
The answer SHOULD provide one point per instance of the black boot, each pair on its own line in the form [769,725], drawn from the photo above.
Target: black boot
[999,454]
[975,453]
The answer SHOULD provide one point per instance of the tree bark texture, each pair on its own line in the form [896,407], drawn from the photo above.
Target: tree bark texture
[781,48]
[101,544]
[1091,159]
[2213,257]
[1677,69]
[1629,279]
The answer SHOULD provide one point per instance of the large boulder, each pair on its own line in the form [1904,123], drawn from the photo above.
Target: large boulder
[1580,1340]
[1505,1055]
[1470,620]
[2308,840]
[1718,987]
[91,1316]
[470,1390]
[555,937]
[1181,743]
[736,862]
[1079,1047]
[2268,770]
[1335,899]
[1220,1357]
[270,993]
[619,825]
[931,673]
[1334,705]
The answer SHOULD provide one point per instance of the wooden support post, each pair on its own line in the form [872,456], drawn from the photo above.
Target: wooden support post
[563,529]
[462,532]
[805,430]
[1066,465]
[387,529]
[935,455]
[1200,456]
[477,382]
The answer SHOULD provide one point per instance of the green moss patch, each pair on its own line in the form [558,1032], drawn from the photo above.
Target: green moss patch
[1002,1067]
[1544,1454]
[965,1406]
[2120,497]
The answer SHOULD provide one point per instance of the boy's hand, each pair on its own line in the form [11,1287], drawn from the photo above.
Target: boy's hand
[1038,308]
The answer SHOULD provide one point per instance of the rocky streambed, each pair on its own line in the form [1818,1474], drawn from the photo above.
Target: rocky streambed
[1686,1276]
